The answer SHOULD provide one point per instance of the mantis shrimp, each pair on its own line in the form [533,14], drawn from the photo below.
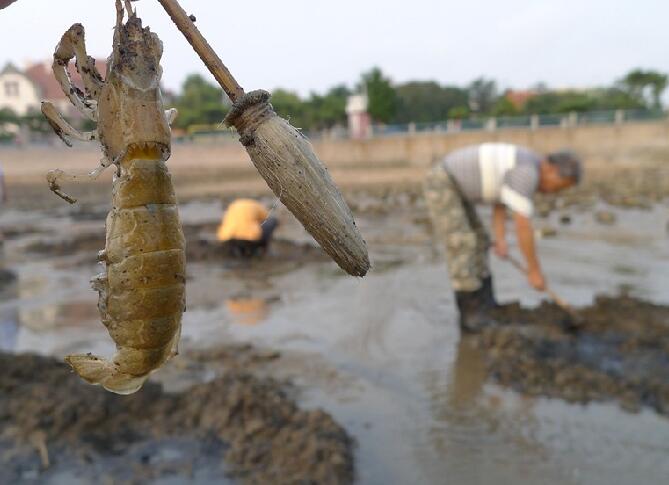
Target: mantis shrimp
[142,290]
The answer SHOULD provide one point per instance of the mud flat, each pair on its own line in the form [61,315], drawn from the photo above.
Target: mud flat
[623,188]
[281,250]
[52,426]
[200,246]
[619,351]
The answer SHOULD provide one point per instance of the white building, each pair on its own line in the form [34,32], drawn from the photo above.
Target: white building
[22,91]
[359,122]
[17,91]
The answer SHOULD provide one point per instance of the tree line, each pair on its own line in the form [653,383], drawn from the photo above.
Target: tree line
[427,101]
[201,102]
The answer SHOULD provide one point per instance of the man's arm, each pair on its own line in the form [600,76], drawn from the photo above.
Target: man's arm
[525,234]
[6,3]
[499,230]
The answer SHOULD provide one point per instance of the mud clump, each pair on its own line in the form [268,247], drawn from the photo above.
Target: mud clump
[7,278]
[565,219]
[51,423]
[545,232]
[619,351]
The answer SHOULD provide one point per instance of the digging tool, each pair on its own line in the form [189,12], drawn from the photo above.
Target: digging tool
[284,157]
[559,301]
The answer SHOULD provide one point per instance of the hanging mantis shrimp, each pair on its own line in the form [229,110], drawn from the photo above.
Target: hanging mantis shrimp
[142,291]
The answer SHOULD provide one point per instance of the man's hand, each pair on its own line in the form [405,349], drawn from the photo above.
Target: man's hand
[536,279]
[501,248]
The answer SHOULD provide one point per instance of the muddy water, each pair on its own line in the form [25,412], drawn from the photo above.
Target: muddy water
[383,354]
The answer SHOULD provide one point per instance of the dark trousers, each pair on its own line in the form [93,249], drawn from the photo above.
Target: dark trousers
[247,249]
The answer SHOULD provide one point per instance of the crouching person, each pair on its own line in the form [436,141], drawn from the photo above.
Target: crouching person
[246,229]
[505,176]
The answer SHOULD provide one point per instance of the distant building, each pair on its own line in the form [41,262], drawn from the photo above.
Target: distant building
[22,91]
[17,91]
[518,98]
[359,121]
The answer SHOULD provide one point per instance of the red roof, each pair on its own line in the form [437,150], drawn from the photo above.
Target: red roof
[42,75]
[519,98]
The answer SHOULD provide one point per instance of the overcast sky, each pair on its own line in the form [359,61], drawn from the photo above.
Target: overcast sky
[310,45]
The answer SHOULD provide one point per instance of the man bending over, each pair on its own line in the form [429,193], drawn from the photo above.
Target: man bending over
[506,176]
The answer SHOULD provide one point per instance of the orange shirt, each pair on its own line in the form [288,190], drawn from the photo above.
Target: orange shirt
[242,221]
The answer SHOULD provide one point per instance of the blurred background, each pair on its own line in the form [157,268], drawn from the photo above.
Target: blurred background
[383,90]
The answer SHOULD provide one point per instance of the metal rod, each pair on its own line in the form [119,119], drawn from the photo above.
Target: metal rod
[214,63]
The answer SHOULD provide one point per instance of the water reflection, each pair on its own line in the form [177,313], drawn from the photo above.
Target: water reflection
[41,302]
[247,311]
[480,430]
[77,313]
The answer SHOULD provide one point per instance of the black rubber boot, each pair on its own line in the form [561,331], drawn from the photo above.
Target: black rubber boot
[491,301]
[488,292]
[475,310]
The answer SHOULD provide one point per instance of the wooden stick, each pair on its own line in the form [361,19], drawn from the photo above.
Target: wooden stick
[183,22]
[554,296]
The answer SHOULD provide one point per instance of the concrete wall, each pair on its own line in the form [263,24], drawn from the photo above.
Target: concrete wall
[596,143]
[627,144]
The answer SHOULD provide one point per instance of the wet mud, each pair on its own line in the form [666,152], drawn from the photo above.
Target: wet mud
[236,424]
[618,351]
[621,188]
[80,244]
[201,246]
[7,279]
[280,250]
[215,412]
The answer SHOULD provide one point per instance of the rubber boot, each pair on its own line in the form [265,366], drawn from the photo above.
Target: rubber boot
[490,298]
[475,310]
[488,292]
[503,313]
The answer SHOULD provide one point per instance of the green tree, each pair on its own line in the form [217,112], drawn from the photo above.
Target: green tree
[504,107]
[646,86]
[561,102]
[200,102]
[382,98]
[482,95]
[579,101]
[616,98]
[328,110]
[425,101]
[458,112]
[545,103]
[7,117]
[35,122]
[290,106]
[576,101]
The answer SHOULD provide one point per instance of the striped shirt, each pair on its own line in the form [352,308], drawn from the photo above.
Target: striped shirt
[496,173]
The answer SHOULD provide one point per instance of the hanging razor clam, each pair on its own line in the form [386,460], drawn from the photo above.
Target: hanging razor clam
[284,157]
